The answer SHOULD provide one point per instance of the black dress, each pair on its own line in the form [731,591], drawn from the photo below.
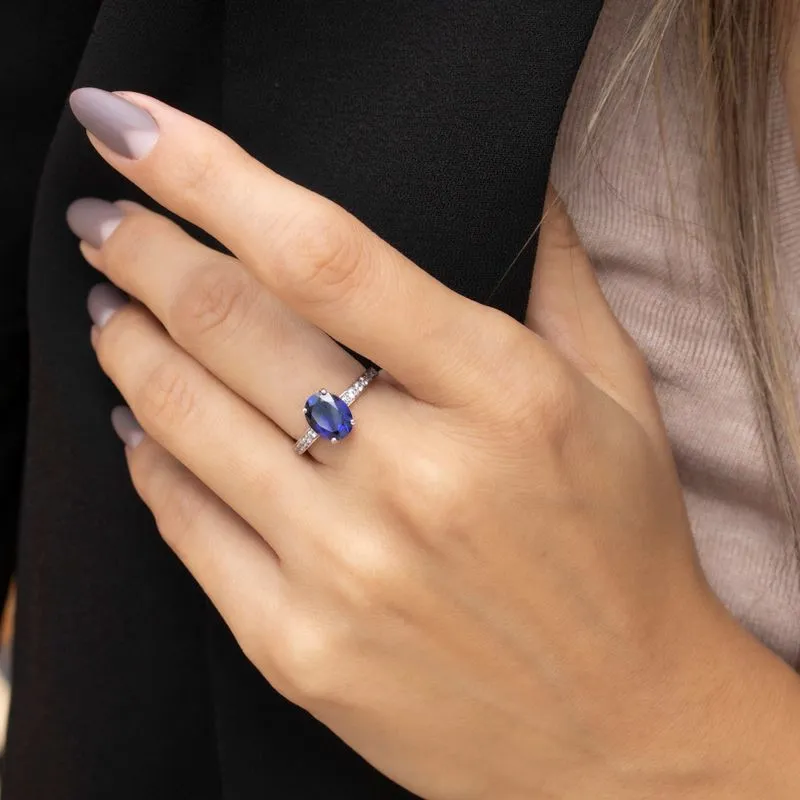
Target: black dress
[434,122]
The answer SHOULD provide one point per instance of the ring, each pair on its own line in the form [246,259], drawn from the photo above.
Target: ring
[329,416]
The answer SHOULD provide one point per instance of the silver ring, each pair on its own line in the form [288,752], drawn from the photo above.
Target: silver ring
[328,415]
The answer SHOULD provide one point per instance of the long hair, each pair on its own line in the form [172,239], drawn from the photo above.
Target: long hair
[738,49]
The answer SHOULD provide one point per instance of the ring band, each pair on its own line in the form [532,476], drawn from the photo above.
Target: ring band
[329,416]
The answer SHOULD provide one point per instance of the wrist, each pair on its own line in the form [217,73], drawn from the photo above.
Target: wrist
[750,741]
[721,721]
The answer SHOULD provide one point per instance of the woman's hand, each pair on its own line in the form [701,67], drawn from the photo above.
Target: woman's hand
[490,590]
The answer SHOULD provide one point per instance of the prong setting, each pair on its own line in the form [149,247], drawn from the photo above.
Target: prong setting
[329,415]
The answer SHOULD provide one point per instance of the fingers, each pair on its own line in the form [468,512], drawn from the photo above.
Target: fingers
[568,309]
[218,312]
[241,456]
[309,252]
[231,562]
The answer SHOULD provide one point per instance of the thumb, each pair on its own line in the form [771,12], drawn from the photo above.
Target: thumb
[568,309]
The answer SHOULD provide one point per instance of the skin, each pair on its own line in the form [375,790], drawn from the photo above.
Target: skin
[490,590]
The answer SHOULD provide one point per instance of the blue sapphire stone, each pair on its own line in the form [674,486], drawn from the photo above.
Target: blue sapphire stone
[328,415]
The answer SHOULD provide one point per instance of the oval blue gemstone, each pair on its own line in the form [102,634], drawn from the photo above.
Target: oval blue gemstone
[328,415]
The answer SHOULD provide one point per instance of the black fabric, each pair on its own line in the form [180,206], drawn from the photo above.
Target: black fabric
[432,120]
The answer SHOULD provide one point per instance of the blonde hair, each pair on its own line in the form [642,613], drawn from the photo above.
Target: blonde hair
[738,48]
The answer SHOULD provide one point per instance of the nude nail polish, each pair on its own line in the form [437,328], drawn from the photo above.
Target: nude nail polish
[126,426]
[93,220]
[103,302]
[119,124]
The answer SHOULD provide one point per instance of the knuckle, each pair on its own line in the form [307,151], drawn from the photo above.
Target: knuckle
[166,398]
[205,166]
[321,254]
[500,349]
[542,387]
[197,171]
[433,494]
[177,514]
[372,577]
[441,491]
[510,347]
[305,657]
[214,299]
[554,402]
[503,328]
[175,509]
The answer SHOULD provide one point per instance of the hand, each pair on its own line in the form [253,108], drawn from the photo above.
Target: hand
[490,590]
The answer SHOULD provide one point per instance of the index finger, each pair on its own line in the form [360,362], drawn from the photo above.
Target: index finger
[319,259]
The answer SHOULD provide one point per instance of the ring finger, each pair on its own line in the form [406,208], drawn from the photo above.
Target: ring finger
[230,446]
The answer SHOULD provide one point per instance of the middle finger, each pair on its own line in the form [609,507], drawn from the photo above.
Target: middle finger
[218,313]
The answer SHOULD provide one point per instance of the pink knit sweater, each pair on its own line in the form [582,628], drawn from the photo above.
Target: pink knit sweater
[659,277]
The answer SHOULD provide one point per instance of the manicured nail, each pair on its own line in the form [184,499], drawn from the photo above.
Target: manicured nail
[119,124]
[93,220]
[126,426]
[104,301]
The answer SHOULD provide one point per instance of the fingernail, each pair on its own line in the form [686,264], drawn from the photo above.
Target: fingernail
[126,426]
[93,220]
[104,301]
[119,124]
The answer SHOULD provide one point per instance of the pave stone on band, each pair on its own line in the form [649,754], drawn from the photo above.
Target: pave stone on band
[329,416]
